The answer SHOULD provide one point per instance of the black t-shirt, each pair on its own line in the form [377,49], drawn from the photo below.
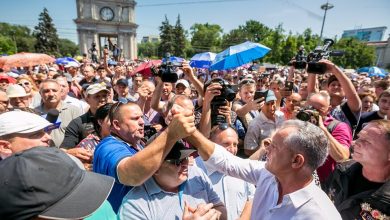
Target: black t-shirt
[84,81]
[361,184]
[78,129]
[365,118]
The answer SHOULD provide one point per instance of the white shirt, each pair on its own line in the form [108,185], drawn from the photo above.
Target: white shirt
[309,202]
[260,128]
[233,192]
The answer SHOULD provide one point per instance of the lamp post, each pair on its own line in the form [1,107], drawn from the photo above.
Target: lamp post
[325,7]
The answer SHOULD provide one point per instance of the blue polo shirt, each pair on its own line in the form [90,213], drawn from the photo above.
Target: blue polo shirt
[108,153]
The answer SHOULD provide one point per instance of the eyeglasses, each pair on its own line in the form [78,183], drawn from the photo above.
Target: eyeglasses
[177,162]
[114,108]
[25,83]
[246,82]
[222,127]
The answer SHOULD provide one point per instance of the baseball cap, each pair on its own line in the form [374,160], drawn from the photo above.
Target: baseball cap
[8,78]
[95,88]
[183,82]
[270,96]
[122,82]
[72,64]
[45,182]
[14,91]
[21,122]
[179,151]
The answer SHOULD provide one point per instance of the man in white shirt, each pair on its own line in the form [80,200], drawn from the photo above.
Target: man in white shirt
[284,184]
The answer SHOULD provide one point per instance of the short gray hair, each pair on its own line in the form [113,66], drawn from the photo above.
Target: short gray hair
[309,140]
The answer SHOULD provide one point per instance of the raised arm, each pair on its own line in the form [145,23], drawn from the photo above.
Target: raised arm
[135,170]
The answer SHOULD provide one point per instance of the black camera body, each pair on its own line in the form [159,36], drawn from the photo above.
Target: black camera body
[227,95]
[167,71]
[300,59]
[321,52]
[309,114]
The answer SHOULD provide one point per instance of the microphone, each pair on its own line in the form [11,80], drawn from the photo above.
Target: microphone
[52,117]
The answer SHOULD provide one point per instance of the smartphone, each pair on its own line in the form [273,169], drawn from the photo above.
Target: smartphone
[289,86]
[260,94]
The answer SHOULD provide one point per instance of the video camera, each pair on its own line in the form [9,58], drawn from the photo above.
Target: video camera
[227,95]
[167,71]
[321,52]
[300,59]
[309,114]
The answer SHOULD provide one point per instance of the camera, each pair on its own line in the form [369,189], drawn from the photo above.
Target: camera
[149,131]
[227,95]
[321,52]
[167,71]
[309,114]
[300,59]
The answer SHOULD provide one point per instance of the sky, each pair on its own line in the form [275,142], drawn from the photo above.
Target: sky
[294,15]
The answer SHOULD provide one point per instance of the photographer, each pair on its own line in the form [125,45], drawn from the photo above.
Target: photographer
[345,103]
[264,124]
[338,133]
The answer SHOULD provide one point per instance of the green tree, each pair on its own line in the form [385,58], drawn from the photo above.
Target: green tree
[68,48]
[206,37]
[21,35]
[148,49]
[179,38]
[356,53]
[276,42]
[167,38]
[289,49]
[46,35]
[7,45]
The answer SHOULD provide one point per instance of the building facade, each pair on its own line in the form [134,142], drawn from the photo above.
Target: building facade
[382,49]
[366,34]
[107,23]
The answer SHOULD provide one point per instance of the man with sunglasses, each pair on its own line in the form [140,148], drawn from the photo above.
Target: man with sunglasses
[122,156]
[176,182]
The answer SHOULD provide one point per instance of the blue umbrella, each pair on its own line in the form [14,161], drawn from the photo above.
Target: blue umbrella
[202,60]
[65,60]
[376,71]
[239,55]
[363,69]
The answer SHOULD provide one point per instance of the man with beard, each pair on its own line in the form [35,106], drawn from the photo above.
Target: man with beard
[50,92]
[122,154]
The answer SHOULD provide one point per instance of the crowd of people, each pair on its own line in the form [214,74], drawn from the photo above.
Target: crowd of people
[99,140]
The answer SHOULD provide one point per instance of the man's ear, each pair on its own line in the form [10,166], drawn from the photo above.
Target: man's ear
[115,124]
[5,149]
[298,161]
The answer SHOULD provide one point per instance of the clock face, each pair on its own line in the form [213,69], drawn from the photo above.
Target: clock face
[106,13]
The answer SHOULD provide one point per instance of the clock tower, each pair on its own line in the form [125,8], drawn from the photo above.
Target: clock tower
[107,23]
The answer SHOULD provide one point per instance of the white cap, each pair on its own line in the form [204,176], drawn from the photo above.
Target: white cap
[14,91]
[184,82]
[95,88]
[72,64]
[249,76]
[21,122]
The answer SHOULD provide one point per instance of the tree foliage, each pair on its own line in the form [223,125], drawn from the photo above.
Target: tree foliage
[356,53]
[46,35]
[148,49]
[179,38]
[67,48]
[206,37]
[167,38]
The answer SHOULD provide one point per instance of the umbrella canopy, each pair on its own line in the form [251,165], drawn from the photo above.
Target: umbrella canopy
[144,68]
[174,59]
[202,60]
[65,60]
[238,55]
[25,59]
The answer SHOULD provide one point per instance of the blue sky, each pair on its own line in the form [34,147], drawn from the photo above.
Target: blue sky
[295,15]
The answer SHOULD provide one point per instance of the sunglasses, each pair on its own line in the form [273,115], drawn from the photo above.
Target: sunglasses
[247,81]
[25,83]
[177,162]
[113,110]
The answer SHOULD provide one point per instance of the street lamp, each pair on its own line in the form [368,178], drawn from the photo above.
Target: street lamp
[325,7]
